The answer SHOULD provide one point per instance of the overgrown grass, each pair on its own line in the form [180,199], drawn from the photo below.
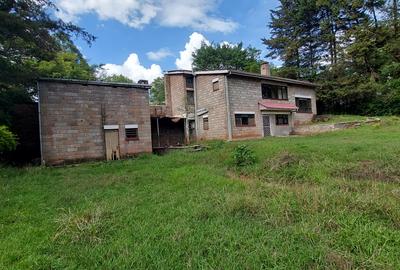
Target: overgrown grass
[327,201]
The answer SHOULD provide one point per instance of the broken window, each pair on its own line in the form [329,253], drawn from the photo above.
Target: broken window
[189,82]
[243,120]
[304,105]
[205,123]
[215,85]
[282,119]
[270,91]
[190,97]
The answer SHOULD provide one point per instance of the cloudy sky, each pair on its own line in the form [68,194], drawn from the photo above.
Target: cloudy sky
[143,38]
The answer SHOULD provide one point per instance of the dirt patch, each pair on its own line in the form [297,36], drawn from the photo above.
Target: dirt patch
[370,170]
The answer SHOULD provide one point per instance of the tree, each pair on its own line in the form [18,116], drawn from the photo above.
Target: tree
[226,56]
[8,140]
[348,47]
[67,65]
[115,78]
[29,33]
[33,44]
[157,91]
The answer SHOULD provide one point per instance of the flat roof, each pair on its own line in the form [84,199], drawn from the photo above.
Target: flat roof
[179,71]
[97,83]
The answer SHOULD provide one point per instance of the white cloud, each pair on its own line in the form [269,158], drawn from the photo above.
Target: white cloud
[197,14]
[185,59]
[159,55]
[132,69]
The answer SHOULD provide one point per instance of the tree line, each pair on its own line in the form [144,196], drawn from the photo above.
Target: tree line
[350,47]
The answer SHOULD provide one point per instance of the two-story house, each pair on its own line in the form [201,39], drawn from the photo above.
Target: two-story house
[229,105]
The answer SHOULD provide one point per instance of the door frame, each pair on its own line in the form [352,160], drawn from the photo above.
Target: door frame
[110,129]
[263,125]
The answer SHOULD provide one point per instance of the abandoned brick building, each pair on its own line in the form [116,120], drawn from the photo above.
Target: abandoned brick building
[229,105]
[83,120]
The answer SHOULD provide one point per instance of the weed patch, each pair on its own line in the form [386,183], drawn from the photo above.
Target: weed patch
[369,170]
[88,227]
[286,167]
[243,156]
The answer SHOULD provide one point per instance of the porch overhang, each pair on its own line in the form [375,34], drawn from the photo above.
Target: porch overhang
[273,106]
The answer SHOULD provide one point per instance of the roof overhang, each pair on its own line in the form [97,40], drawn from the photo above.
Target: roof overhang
[272,78]
[247,75]
[273,106]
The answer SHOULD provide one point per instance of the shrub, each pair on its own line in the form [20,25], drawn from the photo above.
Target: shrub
[243,156]
[8,140]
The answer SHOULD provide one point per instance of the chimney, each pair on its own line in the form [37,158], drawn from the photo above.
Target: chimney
[143,82]
[265,69]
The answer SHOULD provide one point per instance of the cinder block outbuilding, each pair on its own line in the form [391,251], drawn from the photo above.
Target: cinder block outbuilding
[89,120]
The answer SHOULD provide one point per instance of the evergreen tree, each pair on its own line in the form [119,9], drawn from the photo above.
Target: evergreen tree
[343,45]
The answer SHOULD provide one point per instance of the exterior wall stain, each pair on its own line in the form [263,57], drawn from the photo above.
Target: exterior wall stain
[73,118]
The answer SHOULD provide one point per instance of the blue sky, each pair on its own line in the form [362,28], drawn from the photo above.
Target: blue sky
[152,36]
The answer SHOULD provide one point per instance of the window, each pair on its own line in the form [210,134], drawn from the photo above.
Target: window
[131,132]
[270,91]
[304,105]
[215,85]
[282,119]
[189,82]
[205,123]
[190,97]
[244,120]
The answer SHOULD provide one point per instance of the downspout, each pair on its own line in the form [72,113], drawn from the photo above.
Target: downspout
[195,105]
[40,127]
[228,109]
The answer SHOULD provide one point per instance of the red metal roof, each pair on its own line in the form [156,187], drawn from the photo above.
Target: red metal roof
[277,106]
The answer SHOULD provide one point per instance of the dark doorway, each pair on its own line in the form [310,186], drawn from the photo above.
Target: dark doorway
[167,132]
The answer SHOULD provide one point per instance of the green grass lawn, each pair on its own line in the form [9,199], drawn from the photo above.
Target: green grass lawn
[326,201]
[342,118]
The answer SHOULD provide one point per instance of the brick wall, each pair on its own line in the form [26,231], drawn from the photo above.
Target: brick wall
[73,115]
[215,103]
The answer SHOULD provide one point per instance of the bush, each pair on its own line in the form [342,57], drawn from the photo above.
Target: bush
[8,140]
[243,156]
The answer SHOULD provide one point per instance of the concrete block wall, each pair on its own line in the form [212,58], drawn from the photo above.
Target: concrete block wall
[244,95]
[176,95]
[215,103]
[72,118]
[304,118]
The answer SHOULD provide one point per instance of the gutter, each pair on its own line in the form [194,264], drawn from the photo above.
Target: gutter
[195,106]
[228,108]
